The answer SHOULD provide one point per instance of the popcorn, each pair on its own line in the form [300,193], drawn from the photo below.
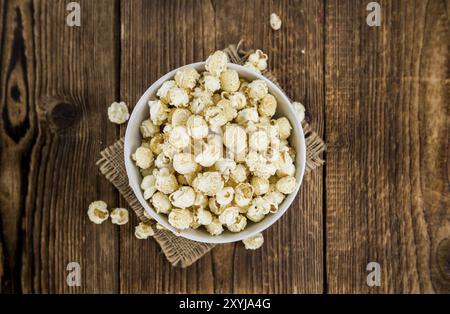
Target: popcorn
[284,127]
[163,91]
[286,185]
[300,110]
[119,216]
[179,137]
[148,185]
[203,216]
[230,80]
[217,63]
[181,218]
[235,138]
[165,181]
[143,157]
[148,129]
[243,194]
[143,231]
[257,89]
[197,127]
[260,185]
[183,197]
[275,21]
[180,117]
[118,112]
[208,183]
[161,203]
[259,141]
[229,215]
[212,154]
[98,212]
[187,77]
[178,97]
[225,196]
[267,106]
[211,83]
[215,227]
[238,225]
[254,242]
[184,163]
[158,111]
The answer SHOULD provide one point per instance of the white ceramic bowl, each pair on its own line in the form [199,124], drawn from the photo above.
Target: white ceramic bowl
[133,140]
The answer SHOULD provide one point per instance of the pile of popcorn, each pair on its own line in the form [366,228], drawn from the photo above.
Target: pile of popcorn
[212,153]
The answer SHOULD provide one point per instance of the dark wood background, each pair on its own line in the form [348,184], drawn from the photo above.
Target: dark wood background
[377,95]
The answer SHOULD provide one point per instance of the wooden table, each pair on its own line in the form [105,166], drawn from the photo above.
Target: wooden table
[377,95]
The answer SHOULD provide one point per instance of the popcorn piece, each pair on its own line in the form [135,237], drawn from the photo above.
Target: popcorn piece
[217,63]
[184,163]
[258,209]
[239,224]
[165,181]
[143,231]
[187,77]
[235,138]
[148,185]
[300,110]
[208,183]
[148,129]
[229,216]
[227,108]
[143,157]
[285,165]
[181,218]
[284,127]
[211,83]
[267,106]
[230,80]
[179,137]
[201,200]
[215,227]
[239,174]
[118,112]
[163,91]
[247,115]
[163,161]
[286,185]
[260,185]
[156,143]
[254,242]
[178,97]
[119,216]
[257,61]
[225,166]
[215,116]
[238,100]
[158,111]
[214,206]
[259,141]
[243,194]
[98,212]
[225,196]
[183,197]
[161,203]
[257,89]
[203,216]
[197,127]
[209,154]
[275,21]
[180,117]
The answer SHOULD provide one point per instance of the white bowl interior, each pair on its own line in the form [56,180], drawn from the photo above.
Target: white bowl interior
[133,141]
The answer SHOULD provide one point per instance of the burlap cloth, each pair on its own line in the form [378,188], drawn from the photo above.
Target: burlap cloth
[180,251]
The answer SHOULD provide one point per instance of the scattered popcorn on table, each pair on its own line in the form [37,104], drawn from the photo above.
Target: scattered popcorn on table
[212,154]
[143,231]
[119,216]
[254,242]
[98,212]
[275,21]
[118,112]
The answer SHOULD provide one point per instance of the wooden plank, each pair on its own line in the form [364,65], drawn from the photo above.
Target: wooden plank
[56,83]
[160,35]
[387,192]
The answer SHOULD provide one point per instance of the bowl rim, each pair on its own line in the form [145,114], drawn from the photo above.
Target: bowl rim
[234,237]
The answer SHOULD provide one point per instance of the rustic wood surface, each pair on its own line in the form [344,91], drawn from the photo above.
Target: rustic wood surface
[377,95]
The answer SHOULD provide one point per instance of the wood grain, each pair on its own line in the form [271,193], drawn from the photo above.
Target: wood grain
[387,132]
[56,84]
[291,259]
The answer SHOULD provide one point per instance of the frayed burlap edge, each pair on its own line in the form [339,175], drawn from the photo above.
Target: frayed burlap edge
[180,251]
